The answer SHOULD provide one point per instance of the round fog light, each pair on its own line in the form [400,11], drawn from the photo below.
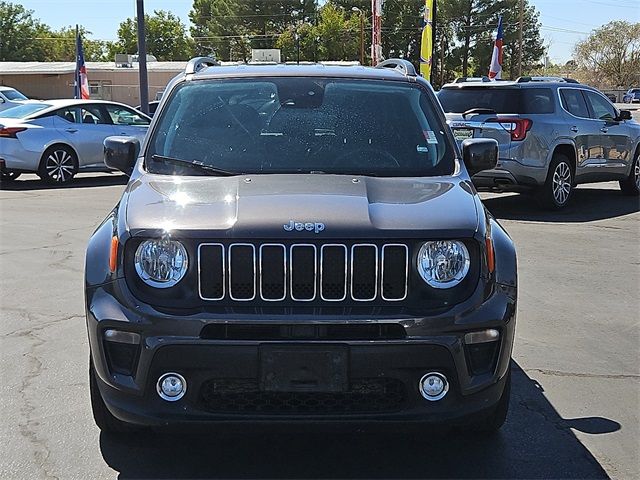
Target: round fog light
[171,387]
[433,386]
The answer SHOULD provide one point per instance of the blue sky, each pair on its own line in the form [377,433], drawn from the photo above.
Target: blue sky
[564,21]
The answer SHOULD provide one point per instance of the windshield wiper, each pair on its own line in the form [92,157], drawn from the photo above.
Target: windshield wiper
[202,167]
[478,111]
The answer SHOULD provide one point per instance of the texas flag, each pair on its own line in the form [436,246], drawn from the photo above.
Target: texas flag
[495,70]
[82,82]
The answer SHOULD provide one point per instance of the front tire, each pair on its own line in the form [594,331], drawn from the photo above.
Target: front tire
[631,185]
[101,415]
[558,188]
[58,165]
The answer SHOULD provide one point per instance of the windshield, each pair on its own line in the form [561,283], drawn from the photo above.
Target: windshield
[500,100]
[13,95]
[23,111]
[297,125]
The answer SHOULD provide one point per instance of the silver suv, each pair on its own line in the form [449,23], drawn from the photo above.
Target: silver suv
[552,135]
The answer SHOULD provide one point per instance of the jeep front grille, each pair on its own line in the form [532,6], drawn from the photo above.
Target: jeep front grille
[303,272]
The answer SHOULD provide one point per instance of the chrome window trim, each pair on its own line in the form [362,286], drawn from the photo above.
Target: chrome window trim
[224,262]
[375,289]
[315,271]
[284,280]
[346,261]
[253,248]
[406,272]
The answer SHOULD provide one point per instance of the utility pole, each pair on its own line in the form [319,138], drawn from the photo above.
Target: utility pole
[434,20]
[520,40]
[142,59]
[356,9]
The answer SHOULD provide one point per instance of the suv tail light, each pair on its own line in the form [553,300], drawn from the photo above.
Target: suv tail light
[10,132]
[517,127]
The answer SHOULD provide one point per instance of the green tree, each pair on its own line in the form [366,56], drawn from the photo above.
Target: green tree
[62,46]
[22,37]
[166,37]
[610,56]
[309,41]
[532,46]
[338,33]
[230,28]
[334,36]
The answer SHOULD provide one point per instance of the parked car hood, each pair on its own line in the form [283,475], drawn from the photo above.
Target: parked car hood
[261,205]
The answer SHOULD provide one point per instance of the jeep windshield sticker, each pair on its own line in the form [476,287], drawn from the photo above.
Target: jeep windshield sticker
[430,136]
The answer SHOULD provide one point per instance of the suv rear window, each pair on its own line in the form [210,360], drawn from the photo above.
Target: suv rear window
[501,100]
[302,125]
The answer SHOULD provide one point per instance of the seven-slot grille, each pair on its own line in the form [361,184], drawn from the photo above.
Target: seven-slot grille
[303,272]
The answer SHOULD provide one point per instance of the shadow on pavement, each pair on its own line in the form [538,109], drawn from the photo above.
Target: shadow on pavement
[587,204]
[33,183]
[534,443]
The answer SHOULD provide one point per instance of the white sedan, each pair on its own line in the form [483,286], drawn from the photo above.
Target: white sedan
[58,138]
[10,97]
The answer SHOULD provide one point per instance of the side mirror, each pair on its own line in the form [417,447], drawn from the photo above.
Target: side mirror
[624,115]
[1,100]
[121,153]
[479,154]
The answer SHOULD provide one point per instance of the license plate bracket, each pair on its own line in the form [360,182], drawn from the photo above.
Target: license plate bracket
[303,368]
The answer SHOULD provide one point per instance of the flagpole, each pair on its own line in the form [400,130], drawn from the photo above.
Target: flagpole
[76,86]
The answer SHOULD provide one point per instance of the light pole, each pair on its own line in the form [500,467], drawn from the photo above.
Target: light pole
[356,9]
[142,59]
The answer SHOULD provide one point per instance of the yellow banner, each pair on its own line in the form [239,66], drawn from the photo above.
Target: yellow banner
[426,47]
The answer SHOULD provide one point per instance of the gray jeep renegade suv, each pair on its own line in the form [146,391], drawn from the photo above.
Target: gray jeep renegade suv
[300,244]
[552,135]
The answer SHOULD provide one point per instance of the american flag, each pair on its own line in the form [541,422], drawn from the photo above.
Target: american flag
[495,70]
[82,82]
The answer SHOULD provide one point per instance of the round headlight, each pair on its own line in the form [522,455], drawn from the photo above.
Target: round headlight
[443,263]
[161,263]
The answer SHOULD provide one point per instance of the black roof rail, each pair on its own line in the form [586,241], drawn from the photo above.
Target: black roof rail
[404,66]
[198,63]
[546,79]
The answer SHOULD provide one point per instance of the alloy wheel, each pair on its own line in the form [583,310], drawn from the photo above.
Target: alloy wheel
[636,170]
[59,166]
[561,183]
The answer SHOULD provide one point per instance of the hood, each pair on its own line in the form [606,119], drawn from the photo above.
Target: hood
[260,206]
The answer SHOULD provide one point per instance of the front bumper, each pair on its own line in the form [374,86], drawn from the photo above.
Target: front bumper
[175,344]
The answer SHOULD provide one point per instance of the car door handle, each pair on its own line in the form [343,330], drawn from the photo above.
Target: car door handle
[574,129]
[71,130]
[604,129]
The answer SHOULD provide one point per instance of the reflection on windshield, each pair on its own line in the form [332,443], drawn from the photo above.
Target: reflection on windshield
[311,125]
[23,111]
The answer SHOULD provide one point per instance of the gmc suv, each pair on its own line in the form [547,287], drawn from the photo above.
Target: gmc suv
[300,244]
[553,134]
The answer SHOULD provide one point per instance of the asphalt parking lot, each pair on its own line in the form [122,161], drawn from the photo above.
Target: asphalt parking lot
[575,402]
